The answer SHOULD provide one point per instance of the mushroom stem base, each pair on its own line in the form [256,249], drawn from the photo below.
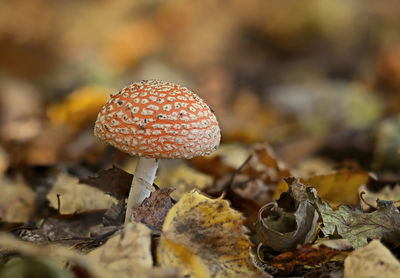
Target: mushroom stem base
[142,184]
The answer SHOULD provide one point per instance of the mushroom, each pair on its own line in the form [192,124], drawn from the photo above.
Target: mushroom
[154,119]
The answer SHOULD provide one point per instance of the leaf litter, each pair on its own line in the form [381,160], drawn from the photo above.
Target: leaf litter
[331,133]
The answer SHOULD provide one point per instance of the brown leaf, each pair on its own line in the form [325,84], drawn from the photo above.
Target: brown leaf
[307,255]
[214,166]
[154,209]
[115,215]
[114,181]
[283,230]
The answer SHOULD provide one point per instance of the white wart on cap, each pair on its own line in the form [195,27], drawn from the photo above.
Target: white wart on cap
[158,119]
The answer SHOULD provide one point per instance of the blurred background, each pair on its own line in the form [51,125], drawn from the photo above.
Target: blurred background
[318,80]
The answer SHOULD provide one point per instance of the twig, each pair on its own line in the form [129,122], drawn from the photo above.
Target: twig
[58,204]
[238,170]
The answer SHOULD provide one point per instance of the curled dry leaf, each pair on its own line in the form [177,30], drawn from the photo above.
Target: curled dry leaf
[282,229]
[205,238]
[126,254]
[17,201]
[373,260]
[75,197]
[356,226]
[154,209]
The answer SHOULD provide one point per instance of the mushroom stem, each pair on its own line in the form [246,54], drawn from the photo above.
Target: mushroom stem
[142,184]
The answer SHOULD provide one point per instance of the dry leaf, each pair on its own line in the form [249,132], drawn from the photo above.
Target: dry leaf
[373,260]
[307,255]
[114,181]
[17,201]
[4,161]
[126,254]
[359,227]
[154,209]
[75,197]
[80,108]
[183,178]
[386,193]
[289,222]
[336,188]
[340,187]
[205,238]
[56,254]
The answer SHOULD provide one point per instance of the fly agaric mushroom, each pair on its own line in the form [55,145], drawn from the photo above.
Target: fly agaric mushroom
[154,119]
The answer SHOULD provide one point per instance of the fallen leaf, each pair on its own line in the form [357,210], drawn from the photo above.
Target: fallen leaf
[75,197]
[126,254]
[373,260]
[339,187]
[56,255]
[154,209]
[22,122]
[386,193]
[34,267]
[205,238]
[213,166]
[17,201]
[312,166]
[70,229]
[114,181]
[115,215]
[80,108]
[281,228]
[356,226]
[47,148]
[4,161]
[307,255]
[337,244]
[183,178]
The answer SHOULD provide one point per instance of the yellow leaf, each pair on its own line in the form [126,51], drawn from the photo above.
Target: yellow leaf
[205,238]
[183,178]
[339,187]
[80,108]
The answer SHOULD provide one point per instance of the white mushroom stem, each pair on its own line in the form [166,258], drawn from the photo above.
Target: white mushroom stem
[142,184]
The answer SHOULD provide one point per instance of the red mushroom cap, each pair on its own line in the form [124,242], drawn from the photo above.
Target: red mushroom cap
[158,119]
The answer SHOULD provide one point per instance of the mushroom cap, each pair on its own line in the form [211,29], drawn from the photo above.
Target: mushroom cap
[158,119]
